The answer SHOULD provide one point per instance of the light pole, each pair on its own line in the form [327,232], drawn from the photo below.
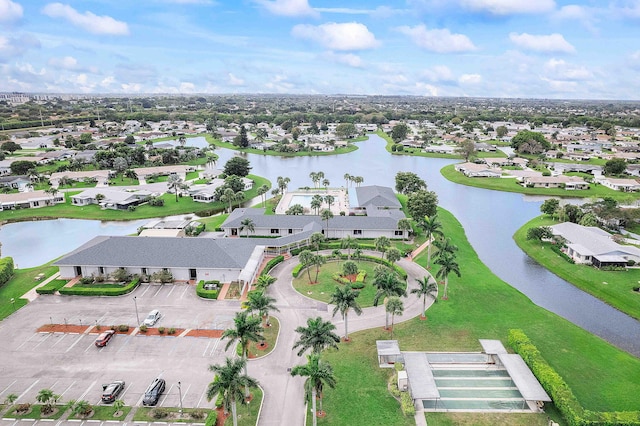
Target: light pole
[135,302]
[180,393]
[13,303]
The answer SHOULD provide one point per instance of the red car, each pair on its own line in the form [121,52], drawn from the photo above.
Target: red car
[104,338]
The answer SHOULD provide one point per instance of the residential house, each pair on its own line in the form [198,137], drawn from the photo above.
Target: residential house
[440,149]
[624,185]
[562,181]
[111,198]
[20,182]
[477,170]
[101,177]
[30,199]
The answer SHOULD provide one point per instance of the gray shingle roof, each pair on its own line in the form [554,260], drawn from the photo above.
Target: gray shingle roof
[379,196]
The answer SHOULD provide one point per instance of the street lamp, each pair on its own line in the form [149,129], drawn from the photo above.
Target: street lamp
[180,393]
[135,302]
[13,303]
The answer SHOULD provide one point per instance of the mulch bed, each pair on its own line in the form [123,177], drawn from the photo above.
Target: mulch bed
[63,328]
[154,332]
[205,333]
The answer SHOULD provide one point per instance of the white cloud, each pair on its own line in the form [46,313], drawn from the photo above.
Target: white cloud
[552,43]
[344,58]
[438,73]
[470,79]
[88,21]
[288,7]
[573,12]
[557,69]
[9,11]
[427,89]
[345,36]
[234,81]
[187,87]
[11,47]
[439,40]
[510,7]
[67,62]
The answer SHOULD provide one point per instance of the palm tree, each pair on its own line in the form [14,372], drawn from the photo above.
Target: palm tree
[448,264]
[247,328]
[238,197]
[248,225]
[175,183]
[318,261]
[316,203]
[329,199]
[444,245]
[425,288]
[259,302]
[358,180]
[394,307]
[118,405]
[264,281]
[228,197]
[431,227]
[229,381]
[344,299]
[314,178]
[317,336]
[294,210]
[10,399]
[382,243]
[325,183]
[318,373]
[405,225]
[45,397]
[348,243]
[393,255]
[81,408]
[326,214]
[283,183]
[357,254]
[388,284]
[347,179]
[262,191]
[306,257]
[316,239]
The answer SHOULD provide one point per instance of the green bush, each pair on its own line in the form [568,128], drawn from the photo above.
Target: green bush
[296,270]
[406,403]
[161,330]
[339,278]
[6,269]
[123,328]
[271,264]
[51,287]
[212,418]
[357,285]
[97,290]
[159,413]
[171,331]
[207,294]
[362,275]
[143,328]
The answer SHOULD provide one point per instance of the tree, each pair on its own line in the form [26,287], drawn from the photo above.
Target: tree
[45,397]
[348,243]
[315,240]
[393,255]
[241,140]
[228,381]
[118,405]
[283,183]
[326,183]
[325,215]
[247,224]
[404,224]
[318,335]
[228,197]
[175,183]
[422,203]
[120,164]
[264,281]
[237,166]
[329,199]
[467,149]
[10,146]
[550,206]
[130,140]
[247,328]
[589,219]
[259,302]
[349,268]
[347,179]
[316,203]
[448,264]
[501,132]
[388,284]
[399,132]
[382,243]
[318,373]
[345,130]
[295,209]
[426,287]
[262,191]
[345,298]
[81,408]
[527,136]
[22,167]
[408,182]
[615,166]
[394,307]
[10,399]
[306,258]
[539,233]
[317,261]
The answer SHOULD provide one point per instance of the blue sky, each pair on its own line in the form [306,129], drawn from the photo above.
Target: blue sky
[493,48]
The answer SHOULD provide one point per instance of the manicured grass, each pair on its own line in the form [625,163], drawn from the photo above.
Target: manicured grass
[487,419]
[120,180]
[512,185]
[36,413]
[480,306]
[326,285]
[347,149]
[248,417]
[270,337]
[213,222]
[106,412]
[184,205]
[270,205]
[612,287]
[144,414]
[23,280]
[417,152]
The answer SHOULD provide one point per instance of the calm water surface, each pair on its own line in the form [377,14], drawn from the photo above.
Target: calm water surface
[490,219]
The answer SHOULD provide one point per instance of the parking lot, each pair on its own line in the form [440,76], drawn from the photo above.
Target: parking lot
[73,367]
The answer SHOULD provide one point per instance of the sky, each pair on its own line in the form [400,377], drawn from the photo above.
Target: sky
[478,48]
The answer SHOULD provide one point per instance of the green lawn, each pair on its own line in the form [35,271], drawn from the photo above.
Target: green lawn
[270,337]
[120,180]
[326,285]
[347,149]
[145,414]
[480,306]
[184,205]
[36,413]
[106,412]
[23,280]
[512,185]
[213,222]
[612,287]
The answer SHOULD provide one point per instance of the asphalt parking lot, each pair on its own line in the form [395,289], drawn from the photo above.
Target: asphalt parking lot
[73,367]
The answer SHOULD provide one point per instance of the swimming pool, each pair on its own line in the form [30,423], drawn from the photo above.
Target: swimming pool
[303,200]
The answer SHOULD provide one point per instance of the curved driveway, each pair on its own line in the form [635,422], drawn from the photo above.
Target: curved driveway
[284,394]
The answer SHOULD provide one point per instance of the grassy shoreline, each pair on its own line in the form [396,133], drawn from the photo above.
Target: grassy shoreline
[612,287]
[480,306]
[337,151]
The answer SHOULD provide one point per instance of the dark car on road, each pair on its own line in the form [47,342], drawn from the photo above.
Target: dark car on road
[104,338]
[153,392]
[111,391]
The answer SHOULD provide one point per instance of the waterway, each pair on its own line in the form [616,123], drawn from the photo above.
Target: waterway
[490,218]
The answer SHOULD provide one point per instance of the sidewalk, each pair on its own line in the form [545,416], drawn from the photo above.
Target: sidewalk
[32,294]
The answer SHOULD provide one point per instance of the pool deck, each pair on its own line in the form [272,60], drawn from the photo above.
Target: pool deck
[341,203]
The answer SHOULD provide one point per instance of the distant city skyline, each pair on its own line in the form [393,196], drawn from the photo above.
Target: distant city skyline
[478,48]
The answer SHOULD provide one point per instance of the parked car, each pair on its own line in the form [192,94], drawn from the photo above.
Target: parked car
[104,338]
[152,318]
[111,391]
[153,392]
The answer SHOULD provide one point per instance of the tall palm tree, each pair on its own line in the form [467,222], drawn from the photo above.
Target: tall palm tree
[394,307]
[347,179]
[316,203]
[314,178]
[432,227]
[316,239]
[247,328]
[444,245]
[317,261]
[259,302]
[318,374]
[348,243]
[325,215]
[306,258]
[393,255]
[45,397]
[317,336]
[247,224]
[262,192]
[426,287]
[326,183]
[229,381]
[344,299]
[175,183]
[264,281]
[329,199]
[448,264]
[382,243]
[404,224]
[388,284]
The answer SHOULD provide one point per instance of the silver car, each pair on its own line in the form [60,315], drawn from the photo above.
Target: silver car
[152,318]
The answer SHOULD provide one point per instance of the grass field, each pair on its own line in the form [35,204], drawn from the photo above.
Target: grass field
[348,148]
[612,287]
[213,222]
[23,280]
[480,306]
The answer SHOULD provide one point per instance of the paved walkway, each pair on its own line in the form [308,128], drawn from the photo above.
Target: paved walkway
[32,294]
[284,394]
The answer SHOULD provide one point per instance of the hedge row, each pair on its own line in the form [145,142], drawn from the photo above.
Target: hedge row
[296,270]
[100,291]
[6,269]
[51,287]
[207,294]
[562,396]
[271,264]
[401,272]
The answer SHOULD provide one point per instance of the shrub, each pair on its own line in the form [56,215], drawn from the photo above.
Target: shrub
[171,331]
[143,328]
[6,269]
[406,403]
[87,280]
[197,414]
[362,275]
[296,270]
[161,330]
[100,291]
[23,408]
[159,413]
[123,328]
[212,418]
[206,294]
[357,285]
[271,264]
[339,278]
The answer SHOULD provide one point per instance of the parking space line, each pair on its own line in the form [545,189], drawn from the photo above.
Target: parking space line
[171,291]
[87,391]
[28,389]
[59,340]
[166,395]
[148,286]
[184,395]
[184,291]
[206,349]
[29,339]
[8,387]
[43,340]
[160,288]
[68,387]
[215,347]
[74,343]
[126,389]
[201,396]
